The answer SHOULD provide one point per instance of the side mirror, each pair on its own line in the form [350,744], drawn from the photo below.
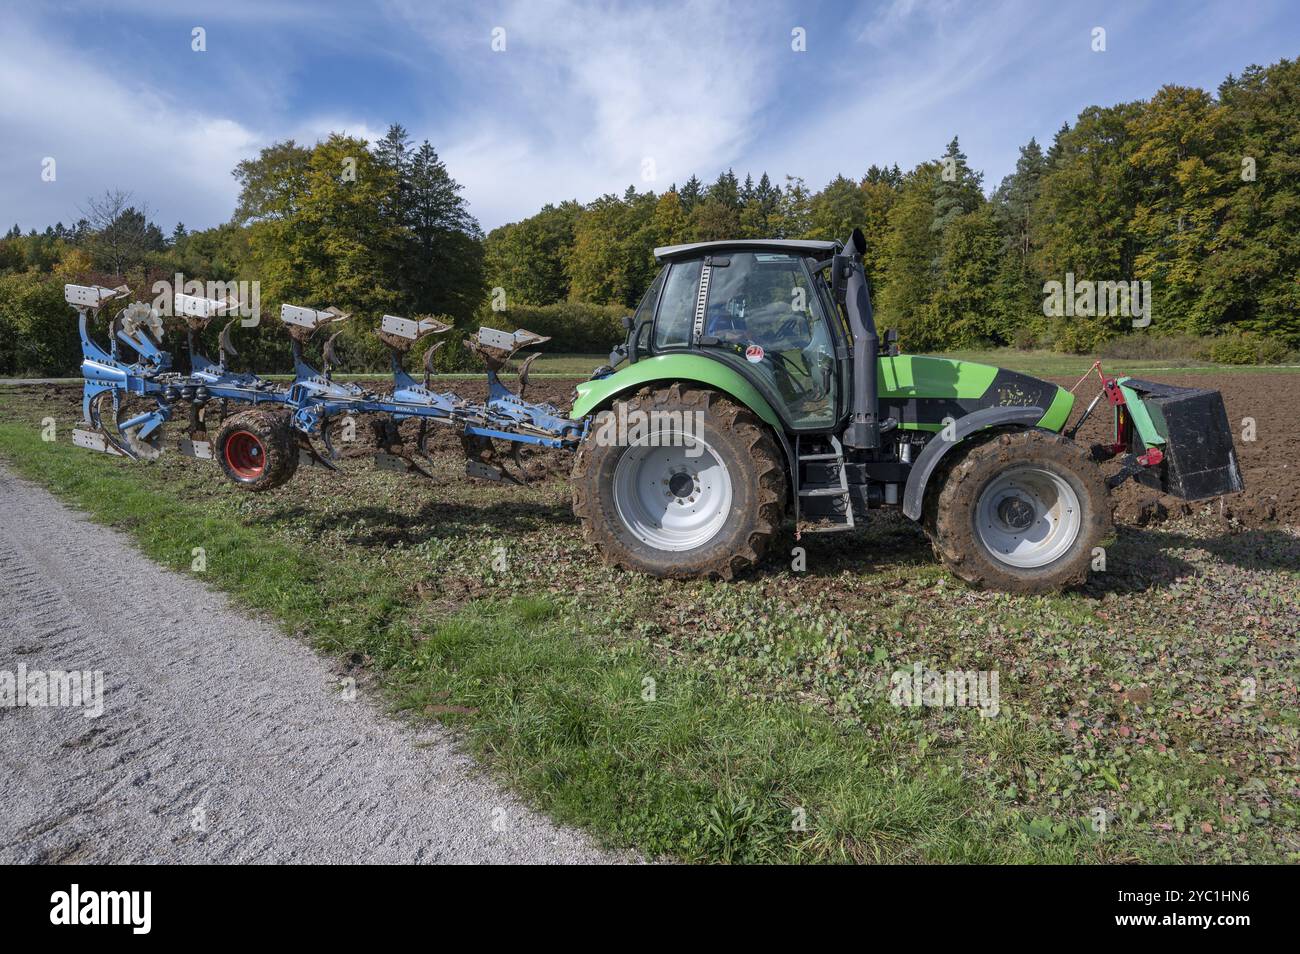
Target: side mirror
[840,265]
[627,322]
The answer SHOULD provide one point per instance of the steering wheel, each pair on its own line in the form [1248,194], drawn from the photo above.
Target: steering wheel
[794,329]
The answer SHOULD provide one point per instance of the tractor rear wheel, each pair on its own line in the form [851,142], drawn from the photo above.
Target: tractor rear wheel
[257,449]
[1021,512]
[680,482]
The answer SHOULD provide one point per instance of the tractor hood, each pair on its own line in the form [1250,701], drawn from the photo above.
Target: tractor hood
[920,391]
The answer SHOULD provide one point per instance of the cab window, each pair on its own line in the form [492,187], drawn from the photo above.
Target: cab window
[829,306]
[677,305]
[643,320]
[763,308]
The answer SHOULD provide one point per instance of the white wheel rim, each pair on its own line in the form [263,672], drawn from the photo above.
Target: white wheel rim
[1028,517]
[669,499]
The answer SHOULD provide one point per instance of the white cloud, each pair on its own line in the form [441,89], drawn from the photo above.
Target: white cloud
[584,94]
[317,128]
[103,132]
[106,131]
[581,99]
[929,70]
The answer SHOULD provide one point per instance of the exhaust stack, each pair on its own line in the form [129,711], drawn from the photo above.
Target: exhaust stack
[863,432]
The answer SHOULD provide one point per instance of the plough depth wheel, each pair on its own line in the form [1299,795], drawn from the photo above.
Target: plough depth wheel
[257,449]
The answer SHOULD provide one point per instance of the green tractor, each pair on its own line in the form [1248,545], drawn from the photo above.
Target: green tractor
[753,386]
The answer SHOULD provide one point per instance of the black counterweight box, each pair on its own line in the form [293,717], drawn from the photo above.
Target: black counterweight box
[1199,459]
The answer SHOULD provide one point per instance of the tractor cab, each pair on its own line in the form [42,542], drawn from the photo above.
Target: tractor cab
[759,307]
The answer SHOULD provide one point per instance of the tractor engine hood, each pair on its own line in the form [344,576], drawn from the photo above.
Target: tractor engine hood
[920,392]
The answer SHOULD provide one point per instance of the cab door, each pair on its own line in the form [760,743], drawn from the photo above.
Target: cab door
[764,315]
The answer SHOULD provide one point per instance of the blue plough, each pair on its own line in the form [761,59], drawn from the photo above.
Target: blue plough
[274,426]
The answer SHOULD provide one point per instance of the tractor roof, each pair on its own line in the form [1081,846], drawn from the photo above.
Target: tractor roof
[691,249]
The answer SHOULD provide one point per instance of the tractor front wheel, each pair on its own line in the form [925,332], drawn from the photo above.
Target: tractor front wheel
[1021,512]
[679,482]
[257,449]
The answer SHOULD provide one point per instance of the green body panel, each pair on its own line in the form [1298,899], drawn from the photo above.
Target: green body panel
[1146,428]
[909,376]
[939,381]
[929,380]
[916,377]
[1058,412]
[673,367]
[944,386]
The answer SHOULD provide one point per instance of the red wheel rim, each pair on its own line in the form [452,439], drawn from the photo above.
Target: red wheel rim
[246,455]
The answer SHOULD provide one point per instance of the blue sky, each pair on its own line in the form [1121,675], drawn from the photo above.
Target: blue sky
[583,94]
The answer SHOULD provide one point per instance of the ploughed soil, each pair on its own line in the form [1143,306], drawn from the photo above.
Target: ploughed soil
[1269,453]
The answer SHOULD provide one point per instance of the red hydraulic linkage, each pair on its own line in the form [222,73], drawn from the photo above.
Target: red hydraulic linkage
[1123,422]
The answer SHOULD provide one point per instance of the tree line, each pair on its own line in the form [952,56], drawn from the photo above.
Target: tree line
[1196,195]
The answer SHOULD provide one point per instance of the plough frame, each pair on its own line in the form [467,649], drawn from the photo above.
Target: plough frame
[312,401]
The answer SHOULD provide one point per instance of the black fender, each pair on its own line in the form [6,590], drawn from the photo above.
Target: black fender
[924,466]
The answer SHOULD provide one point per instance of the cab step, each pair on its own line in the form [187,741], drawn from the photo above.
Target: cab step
[830,503]
[823,492]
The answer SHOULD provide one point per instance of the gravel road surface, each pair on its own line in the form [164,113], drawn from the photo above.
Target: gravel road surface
[221,739]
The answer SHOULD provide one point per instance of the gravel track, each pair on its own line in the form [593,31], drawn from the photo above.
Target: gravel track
[221,739]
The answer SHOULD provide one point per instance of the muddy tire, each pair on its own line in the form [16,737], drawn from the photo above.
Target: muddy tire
[669,513]
[1020,512]
[257,449]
